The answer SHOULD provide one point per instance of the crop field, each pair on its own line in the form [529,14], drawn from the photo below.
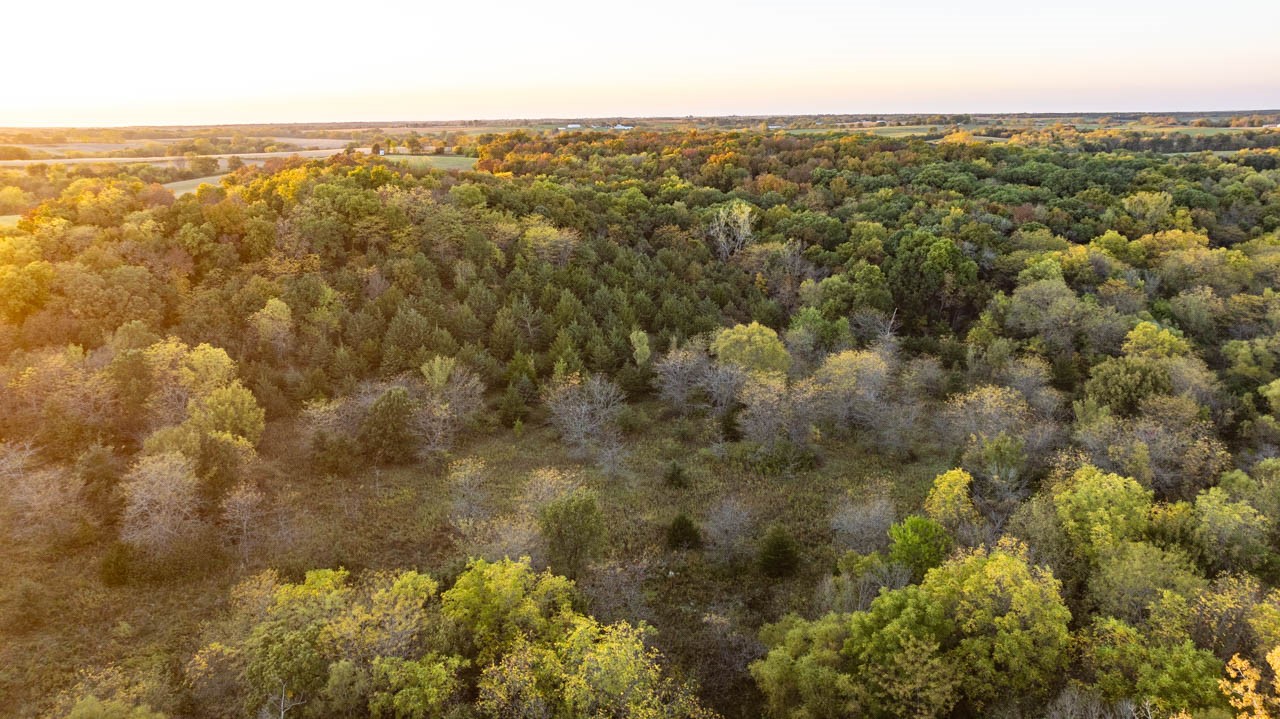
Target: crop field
[248,157]
[320,142]
[437,162]
[93,147]
[7,221]
[185,187]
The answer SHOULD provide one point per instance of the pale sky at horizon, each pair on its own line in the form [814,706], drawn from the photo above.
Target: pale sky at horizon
[153,62]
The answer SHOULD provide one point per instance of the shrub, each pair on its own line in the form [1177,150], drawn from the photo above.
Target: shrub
[385,433]
[334,454]
[676,476]
[573,528]
[683,533]
[779,554]
[117,565]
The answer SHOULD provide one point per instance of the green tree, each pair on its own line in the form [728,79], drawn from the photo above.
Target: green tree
[779,555]
[386,433]
[982,628]
[1121,383]
[683,533]
[950,502]
[1230,535]
[1127,664]
[1133,575]
[1099,510]
[753,347]
[919,543]
[413,689]
[495,605]
[573,527]
[232,410]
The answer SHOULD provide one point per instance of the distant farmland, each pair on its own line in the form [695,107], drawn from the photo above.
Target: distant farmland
[7,221]
[248,157]
[186,187]
[437,162]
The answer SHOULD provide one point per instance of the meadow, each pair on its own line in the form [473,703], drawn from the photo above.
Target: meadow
[437,162]
[184,187]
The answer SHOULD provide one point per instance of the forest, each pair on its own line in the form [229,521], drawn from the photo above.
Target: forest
[666,423]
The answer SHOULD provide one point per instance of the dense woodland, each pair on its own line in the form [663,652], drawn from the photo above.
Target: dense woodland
[648,424]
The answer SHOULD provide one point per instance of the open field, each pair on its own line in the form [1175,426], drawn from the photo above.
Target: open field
[7,221]
[249,157]
[185,187]
[437,162]
[94,147]
[320,142]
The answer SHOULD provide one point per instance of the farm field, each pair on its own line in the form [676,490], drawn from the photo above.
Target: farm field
[319,142]
[7,221]
[184,187]
[249,157]
[94,147]
[438,162]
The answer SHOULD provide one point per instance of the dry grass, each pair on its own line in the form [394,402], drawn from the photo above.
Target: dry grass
[186,187]
[435,162]
[398,517]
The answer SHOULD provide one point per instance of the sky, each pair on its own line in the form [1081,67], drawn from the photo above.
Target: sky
[155,62]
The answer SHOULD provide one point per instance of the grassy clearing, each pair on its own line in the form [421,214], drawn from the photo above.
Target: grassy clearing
[63,619]
[435,162]
[7,221]
[186,187]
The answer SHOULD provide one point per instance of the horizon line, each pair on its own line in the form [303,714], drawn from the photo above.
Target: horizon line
[752,116]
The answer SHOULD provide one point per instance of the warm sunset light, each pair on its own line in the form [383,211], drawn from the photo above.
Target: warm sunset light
[248,61]
[820,359]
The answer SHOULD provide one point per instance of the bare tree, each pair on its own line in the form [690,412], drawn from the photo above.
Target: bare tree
[728,531]
[242,516]
[616,589]
[280,703]
[466,478]
[1074,702]
[507,536]
[585,413]
[722,384]
[855,592]
[854,387]
[863,525]
[515,533]
[1030,376]
[15,459]
[452,395]
[730,229]
[773,411]
[46,504]
[680,374]
[161,498]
